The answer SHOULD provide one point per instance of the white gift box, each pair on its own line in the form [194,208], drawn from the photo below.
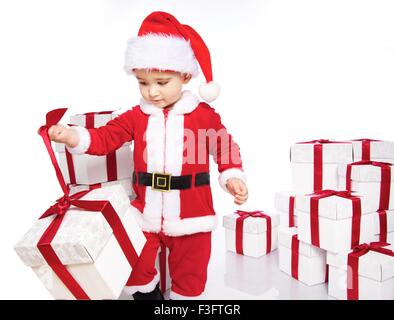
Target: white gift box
[311,260]
[375,275]
[165,279]
[302,161]
[284,206]
[91,169]
[366,181]
[389,237]
[86,245]
[126,184]
[385,217]
[382,151]
[100,119]
[254,234]
[335,221]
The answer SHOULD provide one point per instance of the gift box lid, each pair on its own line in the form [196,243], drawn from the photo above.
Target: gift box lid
[378,149]
[334,207]
[285,235]
[341,152]
[372,265]
[282,200]
[82,234]
[251,225]
[100,119]
[364,172]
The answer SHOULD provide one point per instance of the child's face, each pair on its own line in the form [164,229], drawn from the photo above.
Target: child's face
[161,88]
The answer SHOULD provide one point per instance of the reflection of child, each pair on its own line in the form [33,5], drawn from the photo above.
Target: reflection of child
[172,133]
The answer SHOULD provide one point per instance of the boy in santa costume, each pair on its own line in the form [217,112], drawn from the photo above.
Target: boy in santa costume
[173,203]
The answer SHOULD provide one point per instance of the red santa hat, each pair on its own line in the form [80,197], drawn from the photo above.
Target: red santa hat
[165,44]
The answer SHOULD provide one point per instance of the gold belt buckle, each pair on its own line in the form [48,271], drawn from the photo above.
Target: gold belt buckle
[161,181]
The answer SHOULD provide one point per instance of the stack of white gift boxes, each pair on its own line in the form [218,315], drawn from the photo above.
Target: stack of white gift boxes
[85,172]
[86,244]
[337,223]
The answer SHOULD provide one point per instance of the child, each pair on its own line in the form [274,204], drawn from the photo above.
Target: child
[173,135]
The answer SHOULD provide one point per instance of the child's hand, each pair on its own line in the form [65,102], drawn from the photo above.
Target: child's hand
[238,189]
[61,134]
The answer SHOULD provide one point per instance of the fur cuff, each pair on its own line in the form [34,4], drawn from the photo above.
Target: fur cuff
[186,226]
[84,140]
[129,290]
[231,173]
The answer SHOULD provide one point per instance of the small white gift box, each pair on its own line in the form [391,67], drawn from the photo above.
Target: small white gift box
[87,245]
[315,164]
[285,207]
[374,278]
[332,224]
[374,150]
[91,169]
[251,235]
[374,181]
[302,261]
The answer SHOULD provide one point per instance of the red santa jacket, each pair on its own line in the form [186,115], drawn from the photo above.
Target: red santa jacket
[178,142]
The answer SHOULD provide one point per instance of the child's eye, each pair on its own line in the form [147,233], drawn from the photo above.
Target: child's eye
[142,83]
[162,83]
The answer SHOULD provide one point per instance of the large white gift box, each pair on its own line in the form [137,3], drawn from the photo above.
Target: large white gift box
[334,221]
[90,169]
[126,184]
[366,179]
[285,207]
[86,245]
[255,238]
[375,276]
[315,165]
[300,260]
[374,150]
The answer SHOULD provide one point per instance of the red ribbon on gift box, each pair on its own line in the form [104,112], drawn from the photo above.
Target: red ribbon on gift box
[365,148]
[382,225]
[240,225]
[291,211]
[295,245]
[353,262]
[314,214]
[385,181]
[60,208]
[318,161]
[111,165]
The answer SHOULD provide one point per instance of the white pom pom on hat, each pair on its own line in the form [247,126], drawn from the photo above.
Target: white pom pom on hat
[163,43]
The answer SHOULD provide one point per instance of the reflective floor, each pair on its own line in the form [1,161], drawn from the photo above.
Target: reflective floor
[233,276]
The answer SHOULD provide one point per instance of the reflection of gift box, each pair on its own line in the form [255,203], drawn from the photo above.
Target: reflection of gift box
[90,169]
[251,233]
[162,267]
[300,260]
[125,183]
[334,221]
[362,273]
[285,207]
[93,248]
[373,150]
[371,179]
[315,164]
[384,226]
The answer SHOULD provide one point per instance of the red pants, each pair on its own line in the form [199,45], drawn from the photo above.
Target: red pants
[187,262]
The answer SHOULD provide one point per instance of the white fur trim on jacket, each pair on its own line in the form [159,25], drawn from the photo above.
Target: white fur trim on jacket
[231,173]
[160,51]
[177,296]
[181,227]
[84,140]
[149,287]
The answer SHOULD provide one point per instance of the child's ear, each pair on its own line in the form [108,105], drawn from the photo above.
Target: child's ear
[186,78]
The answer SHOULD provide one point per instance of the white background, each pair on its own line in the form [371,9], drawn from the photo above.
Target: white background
[289,71]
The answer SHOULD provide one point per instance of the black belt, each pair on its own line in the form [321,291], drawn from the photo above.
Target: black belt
[167,182]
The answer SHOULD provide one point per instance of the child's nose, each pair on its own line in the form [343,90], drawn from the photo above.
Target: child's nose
[153,91]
